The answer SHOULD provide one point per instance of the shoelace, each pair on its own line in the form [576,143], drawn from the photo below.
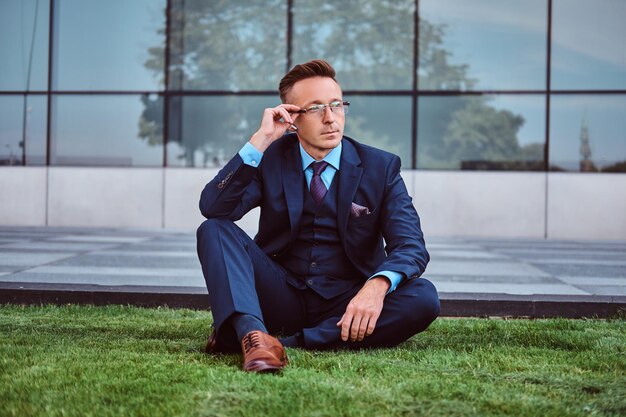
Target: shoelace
[251,341]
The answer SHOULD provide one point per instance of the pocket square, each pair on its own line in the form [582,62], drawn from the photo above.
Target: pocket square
[358,211]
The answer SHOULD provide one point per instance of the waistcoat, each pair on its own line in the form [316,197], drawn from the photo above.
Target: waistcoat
[317,259]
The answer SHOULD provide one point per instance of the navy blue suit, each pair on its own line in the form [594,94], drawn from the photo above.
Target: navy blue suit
[249,276]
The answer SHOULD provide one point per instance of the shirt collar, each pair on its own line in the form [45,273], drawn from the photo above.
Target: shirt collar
[333,158]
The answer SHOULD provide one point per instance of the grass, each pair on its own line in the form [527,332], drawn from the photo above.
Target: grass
[126,361]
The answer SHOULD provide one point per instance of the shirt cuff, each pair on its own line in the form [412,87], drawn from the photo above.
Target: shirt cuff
[393,277]
[250,155]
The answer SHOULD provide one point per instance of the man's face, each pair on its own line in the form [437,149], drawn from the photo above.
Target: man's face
[318,132]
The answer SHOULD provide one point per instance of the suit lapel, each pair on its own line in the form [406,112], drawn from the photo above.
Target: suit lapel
[350,173]
[293,179]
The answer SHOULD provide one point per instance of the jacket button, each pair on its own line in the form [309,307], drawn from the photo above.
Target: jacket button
[310,282]
[313,264]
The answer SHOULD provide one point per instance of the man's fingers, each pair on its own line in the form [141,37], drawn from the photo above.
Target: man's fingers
[363,328]
[284,114]
[346,321]
[290,107]
[280,115]
[354,329]
[371,325]
[288,112]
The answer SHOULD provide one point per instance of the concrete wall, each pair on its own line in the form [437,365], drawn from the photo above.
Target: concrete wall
[450,203]
[182,194]
[582,205]
[23,196]
[505,204]
[119,197]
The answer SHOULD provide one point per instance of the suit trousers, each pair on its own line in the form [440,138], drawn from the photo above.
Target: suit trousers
[241,278]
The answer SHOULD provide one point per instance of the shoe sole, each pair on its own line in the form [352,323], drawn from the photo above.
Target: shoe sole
[262,367]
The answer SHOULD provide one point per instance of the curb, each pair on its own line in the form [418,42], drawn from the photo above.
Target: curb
[452,304]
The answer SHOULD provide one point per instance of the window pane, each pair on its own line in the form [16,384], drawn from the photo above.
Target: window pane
[111,130]
[208,131]
[588,133]
[503,132]
[482,44]
[383,122]
[109,45]
[36,129]
[588,44]
[13,135]
[24,45]
[370,43]
[228,45]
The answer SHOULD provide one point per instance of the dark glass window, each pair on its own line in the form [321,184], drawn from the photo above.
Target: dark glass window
[207,131]
[109,45]
[383,122]
[482,44]
[113,51]
[588,49]
[23,129]
[227,45]
[588,133]
[498,132]
[24,45]
[370,43]
[110,130]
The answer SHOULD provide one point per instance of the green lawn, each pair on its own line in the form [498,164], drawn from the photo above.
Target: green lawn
[125,361]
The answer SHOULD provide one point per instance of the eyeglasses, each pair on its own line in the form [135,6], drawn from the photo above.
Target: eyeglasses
[339,107]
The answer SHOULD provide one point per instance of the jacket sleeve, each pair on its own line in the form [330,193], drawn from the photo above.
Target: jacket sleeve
[405,247]
[234,191]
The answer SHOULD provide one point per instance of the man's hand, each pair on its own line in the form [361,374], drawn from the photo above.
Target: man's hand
[274,124]
[363,311]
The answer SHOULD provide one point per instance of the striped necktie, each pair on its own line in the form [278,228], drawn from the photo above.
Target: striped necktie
[318,189]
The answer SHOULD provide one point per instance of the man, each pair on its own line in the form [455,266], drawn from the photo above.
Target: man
[316,273]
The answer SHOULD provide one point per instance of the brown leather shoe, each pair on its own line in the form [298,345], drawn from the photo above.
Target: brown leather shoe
[211,344]
[262,353]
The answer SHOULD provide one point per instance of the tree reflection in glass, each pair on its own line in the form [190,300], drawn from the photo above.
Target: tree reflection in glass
[481,132]
[232,46]
[227,45]
[370,43]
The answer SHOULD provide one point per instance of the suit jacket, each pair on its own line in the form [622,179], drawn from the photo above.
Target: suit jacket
[368,177]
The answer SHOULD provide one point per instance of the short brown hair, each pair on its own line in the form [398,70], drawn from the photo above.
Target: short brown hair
[315,68]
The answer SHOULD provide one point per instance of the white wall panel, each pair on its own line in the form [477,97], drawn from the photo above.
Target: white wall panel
[112,197]
[182,195]
[23,196]
[507,204]
[586,206]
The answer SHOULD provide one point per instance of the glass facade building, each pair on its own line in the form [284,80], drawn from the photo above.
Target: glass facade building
[508,85]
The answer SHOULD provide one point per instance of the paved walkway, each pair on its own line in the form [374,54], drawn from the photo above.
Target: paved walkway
[157,261]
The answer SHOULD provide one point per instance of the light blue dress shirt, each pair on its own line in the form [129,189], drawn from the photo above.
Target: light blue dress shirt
[333,158]
[252,156]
